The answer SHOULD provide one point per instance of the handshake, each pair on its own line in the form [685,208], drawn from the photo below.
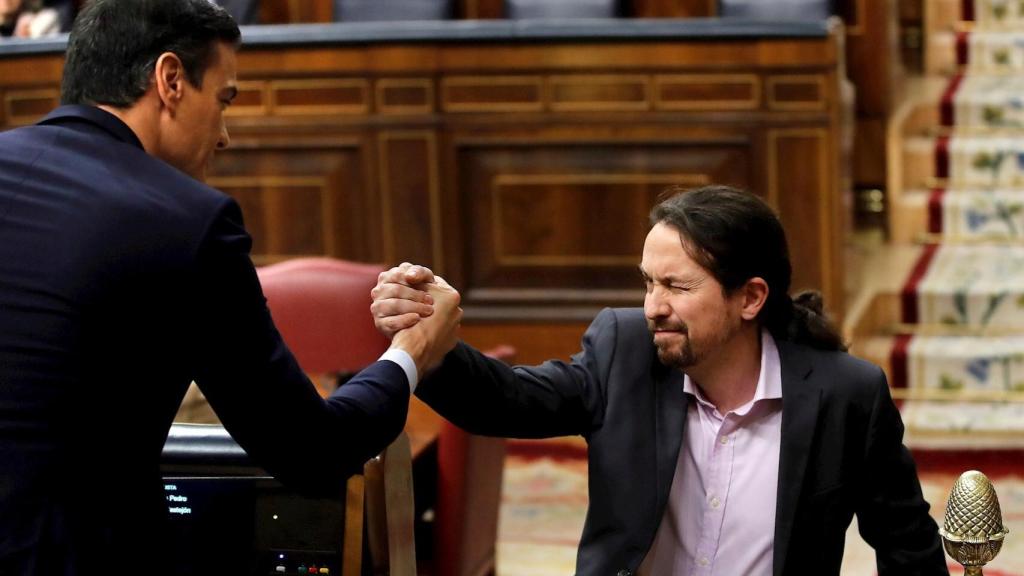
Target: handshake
[418,311]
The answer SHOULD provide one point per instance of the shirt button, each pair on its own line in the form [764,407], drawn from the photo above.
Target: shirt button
[715,502]
[703,561]
[724,440]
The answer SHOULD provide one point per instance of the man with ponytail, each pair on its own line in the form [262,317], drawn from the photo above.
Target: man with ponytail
[729,432]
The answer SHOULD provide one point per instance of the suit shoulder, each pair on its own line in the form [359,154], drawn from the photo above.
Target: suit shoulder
[839,372]
[626,320]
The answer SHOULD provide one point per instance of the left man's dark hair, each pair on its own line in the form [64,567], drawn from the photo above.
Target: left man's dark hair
[114,46]
[736,236]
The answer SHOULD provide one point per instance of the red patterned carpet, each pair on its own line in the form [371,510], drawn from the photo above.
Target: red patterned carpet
[545,500]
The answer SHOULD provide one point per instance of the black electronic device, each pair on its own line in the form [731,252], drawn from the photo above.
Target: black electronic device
[228,516]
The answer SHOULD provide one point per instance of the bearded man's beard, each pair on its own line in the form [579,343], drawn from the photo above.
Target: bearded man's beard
[678,354]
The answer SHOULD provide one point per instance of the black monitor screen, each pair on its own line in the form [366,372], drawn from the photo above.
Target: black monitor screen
[250,525]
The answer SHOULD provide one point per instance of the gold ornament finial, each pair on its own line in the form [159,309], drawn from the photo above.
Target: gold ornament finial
[973,530]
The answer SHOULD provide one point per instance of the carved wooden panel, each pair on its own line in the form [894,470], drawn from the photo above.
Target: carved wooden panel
[300,200]
[540,218]
[482,9]
[673,8]
[320,96]
[404,96]
[796,92]
[707,92]
[410,197]
[28,106]
[492,93]
[798,162]
[599,92]
[253,99]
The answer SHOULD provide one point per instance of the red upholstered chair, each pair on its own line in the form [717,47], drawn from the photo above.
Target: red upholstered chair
[321,306]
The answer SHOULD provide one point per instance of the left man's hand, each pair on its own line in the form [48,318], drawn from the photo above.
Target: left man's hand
[401,299]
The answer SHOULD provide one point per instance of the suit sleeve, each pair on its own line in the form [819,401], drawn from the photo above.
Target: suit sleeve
[484,396]
[258,389]
[892,514]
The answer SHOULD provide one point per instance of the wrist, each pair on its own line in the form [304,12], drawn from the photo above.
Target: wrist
[414,344]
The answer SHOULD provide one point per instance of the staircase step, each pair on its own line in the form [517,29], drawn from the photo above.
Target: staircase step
[953,425]
[943,14]
[998,15]
[988,103]
[963,387]
[994,52]
[976,215]
[968,286]
[917,158]
[941,53]
[983,161]
[909,216]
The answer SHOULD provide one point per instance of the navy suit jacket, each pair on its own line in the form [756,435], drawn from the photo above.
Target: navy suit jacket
[841,453]
[121,280]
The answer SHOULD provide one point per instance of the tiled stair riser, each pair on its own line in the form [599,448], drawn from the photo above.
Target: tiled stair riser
[999,15]
[995,161]
[995,52]
[973,286]
[986,103]
[977,215]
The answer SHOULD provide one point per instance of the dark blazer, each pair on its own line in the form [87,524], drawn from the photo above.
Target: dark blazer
[841,454]
[122,279]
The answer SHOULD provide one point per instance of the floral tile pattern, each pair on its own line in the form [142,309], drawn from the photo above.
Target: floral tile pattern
[986,161]
[999,14]
[979,286]
[990,102]
[995,52]
[983,214]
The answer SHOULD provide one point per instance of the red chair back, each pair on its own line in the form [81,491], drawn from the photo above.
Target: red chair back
[321,306]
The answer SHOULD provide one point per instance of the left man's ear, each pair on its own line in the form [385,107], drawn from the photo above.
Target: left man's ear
[755,294]
[169,77]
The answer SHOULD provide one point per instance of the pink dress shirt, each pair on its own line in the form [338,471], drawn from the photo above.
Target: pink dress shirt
[720,517]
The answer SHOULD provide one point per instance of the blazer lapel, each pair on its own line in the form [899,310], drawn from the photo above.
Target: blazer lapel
[800,399]
[671,404]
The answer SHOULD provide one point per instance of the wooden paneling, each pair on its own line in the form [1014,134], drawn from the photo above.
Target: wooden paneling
[572,217]
[296,11]
[300,198]
[523,172]
[707,92]
[796,92]
[605,92]
[320,96]
[482,9]
[405,96]
[410,197]
[492,94]
[673,8]
[27,106]
[798,162]
[534,342]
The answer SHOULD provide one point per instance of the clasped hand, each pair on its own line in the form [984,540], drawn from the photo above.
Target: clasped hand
[418,311]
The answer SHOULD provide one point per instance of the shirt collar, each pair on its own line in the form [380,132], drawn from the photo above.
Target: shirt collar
[769,380]
[95,116]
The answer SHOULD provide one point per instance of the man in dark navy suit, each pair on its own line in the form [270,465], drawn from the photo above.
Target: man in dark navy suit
[123,277]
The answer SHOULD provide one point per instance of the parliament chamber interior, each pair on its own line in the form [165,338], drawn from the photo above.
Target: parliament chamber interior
[516,147]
